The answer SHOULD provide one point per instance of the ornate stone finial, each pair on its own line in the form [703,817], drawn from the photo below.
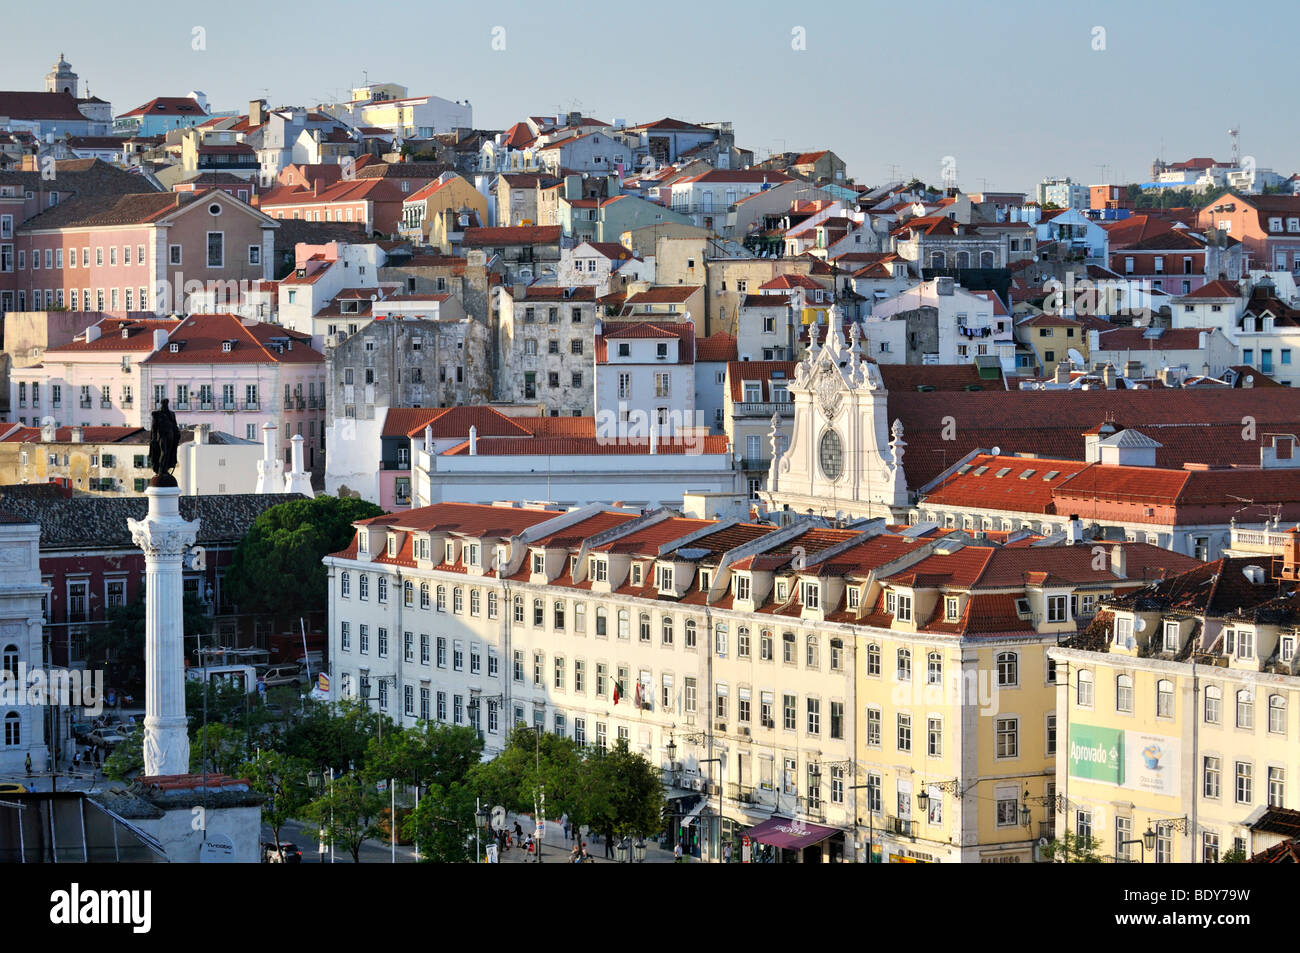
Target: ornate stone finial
[897,445]
[812,339]
[774,434]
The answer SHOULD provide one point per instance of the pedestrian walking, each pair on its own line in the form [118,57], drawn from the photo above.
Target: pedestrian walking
[726,853]
[564,823]
[29,764]
[76,760]
[677,853]
[609,844]
[586,857]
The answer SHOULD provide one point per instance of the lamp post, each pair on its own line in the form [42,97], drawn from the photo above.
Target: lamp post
[1141,842]
[620,851]
[538,819]
[639,849]
[718,821]
[480,818]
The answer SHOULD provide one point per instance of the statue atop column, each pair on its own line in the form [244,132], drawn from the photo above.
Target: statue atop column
[164,438]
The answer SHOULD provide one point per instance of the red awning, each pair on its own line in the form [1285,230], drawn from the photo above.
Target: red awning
[792,835]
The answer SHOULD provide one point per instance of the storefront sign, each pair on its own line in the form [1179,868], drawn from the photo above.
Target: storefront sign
[1127,759]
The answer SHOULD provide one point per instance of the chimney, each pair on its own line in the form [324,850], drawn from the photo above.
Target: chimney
[1132,369]
[268,442]
[473,441]
[654,436]
[943,285]
[77,435]
[1074,530]
[297,480]
[201,433]
[1118,561]
[1291,555]
[315,187]
[92,333]
[1062,373]
[1108,376]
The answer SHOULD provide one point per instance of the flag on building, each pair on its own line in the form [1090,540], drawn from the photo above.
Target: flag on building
[618,692]
[638,695]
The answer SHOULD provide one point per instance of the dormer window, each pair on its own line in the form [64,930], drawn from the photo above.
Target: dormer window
[363,541]
[392,544]
[706,580]
[599,570]
[664,579]
[1286,650]
[1245,644]
[424,547]
[951,608]
[1022,607]
[471,554]
[1229,642]
[782,590]
[227,346]
[449,552]
[743,587]
[636,574]
[174,347]
[904,613]
[891,602]
[812,595]
[854,596]
[1171,636]
[539,563]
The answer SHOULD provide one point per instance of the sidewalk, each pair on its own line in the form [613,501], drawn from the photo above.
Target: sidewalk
[556,850]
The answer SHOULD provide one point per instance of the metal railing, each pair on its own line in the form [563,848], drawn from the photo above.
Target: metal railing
[764,408]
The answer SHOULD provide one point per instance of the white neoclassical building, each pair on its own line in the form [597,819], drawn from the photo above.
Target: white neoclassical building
[21,622]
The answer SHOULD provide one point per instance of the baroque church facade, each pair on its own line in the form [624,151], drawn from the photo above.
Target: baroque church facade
[844,459]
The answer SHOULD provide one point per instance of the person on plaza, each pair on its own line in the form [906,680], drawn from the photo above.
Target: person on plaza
[586,857]
[575,855]
[29,764]
[609,844]
[677,853]
[519,834]
[76,760]
[564,823]
[726,853]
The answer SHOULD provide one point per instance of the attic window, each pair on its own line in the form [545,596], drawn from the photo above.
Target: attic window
[1022,607]
[227,346]
[214,209]
[174,347]
[980,471]
[1002,472]
[1027,474]
[963,469]
[1051,474]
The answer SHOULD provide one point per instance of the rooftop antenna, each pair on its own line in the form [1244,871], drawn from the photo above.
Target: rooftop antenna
[1234,134]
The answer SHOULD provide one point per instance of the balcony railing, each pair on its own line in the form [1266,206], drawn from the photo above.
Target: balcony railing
[205,405]
[765,408]
[741,793]
[755,463]
[251,405]
[180,405]
[902,826]
[105,404]
[229,405]
[127,403]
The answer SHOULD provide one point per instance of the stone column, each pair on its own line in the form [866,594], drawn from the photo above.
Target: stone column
[164,536]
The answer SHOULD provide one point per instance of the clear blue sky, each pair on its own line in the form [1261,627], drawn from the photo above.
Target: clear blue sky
[1013,90]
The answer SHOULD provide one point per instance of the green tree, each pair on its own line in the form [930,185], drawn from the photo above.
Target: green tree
[226,748]
[118,645]
[277,566]
[127,759]
[442,825]
[335,735]
[625,793]
[428,753]
[345,813]
[284,782]
[1072,849]
[1235,856]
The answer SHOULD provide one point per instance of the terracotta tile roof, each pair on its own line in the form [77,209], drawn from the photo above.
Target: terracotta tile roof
[663,294]
[139,336]
[763,371]
[717,347]
[540,292]
[787,282]
[21,104]
[167,106]
[98,210]
[558,426]
[201,339]
[572,537]
[513,235]
[946,377]
[1136,339]
[646,541]
[981,487]
[344,190]
[91,435]
[466,519]
[450,422]
[683,332]
[611,250]
[1193,425]
[1284,852]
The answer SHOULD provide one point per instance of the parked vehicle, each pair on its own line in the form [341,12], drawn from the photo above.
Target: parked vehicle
[285,852]
[12,789]
[107,737]
[286,674]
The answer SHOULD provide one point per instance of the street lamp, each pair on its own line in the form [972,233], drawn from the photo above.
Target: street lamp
[639,848]
[1141,842]
[1148,841]
[480,818]
[621,851]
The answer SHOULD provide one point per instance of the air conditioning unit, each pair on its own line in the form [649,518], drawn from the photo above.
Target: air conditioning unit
[744,732]
[720,726]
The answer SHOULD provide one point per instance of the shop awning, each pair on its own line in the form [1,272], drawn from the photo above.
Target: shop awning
[792,835]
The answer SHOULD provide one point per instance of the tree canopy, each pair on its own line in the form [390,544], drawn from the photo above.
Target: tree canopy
[277,566]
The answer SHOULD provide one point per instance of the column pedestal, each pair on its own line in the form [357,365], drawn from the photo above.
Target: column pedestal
[164,536]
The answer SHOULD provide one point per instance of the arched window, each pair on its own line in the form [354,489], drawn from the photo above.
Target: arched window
[9,660]
[492,605]
[458,600]
[1124,693]
[424,595]
[938,259]
[1245,709]
[408,592]
[624,624]
[1277,714]
[1164,698]
[442,599]
[1008,669]
[787,647]
[1084,695]
[644,627]
[904,665]
[873,659]
[986,259]
[963,259]
[690,633]
[666,630]
[13,730]
[934,669]
[519,608]
[1213,704]
[345,585]
[383,589]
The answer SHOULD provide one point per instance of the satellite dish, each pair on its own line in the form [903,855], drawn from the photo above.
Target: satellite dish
[997,451]
[1140,625]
